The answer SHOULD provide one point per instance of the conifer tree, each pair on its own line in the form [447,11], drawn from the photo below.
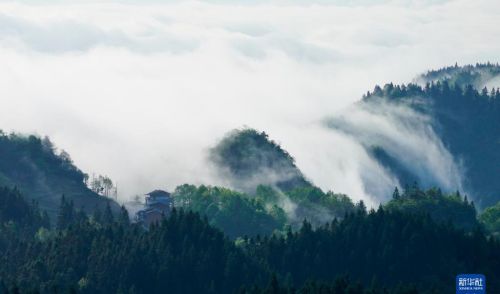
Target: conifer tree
[108,217]
[124,217]
[66,214]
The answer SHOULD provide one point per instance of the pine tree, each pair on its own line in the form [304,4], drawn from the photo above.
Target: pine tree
[124,217]
[45,220]
[97,215]
[66,214]
[395,194]
[108,217]
[361,207]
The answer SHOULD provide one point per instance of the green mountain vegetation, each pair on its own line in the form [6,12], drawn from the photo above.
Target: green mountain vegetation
[384,248]
[440,207]
[490,218]
[183,254]
[19,220]
[478,75]
[32,165]
[237,214]
[267,211]
[383,251]
[274,192]
[467,120]
[275,232]
[341,285]
[248,158]
[270,211]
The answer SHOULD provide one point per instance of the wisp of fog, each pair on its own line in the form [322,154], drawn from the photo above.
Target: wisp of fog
[140,91]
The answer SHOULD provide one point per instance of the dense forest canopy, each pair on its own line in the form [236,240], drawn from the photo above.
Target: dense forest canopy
[274,192]
[19,219]
[273,231]
[466,119]
[268,210]
[490,217]
[237,214]
[442,208]
[383,251]
[248,158]
[182,254]
[33,165]
[384,247]
[479,76]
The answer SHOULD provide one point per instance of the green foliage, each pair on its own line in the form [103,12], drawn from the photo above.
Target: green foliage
[108,217]
[66,214]
[235,213]
[249,158]
[182,254]
[389,247]
[309,203]
[490,218]
[267,211]
[462,76]
[15,210]
[43,235]
[123,217]
[342,285]
[466,119]
[391,251]
[42,174]
[319,207]
[442,208]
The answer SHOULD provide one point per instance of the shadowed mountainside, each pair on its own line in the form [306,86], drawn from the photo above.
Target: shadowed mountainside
[467,121]
[32,165]
[248,158]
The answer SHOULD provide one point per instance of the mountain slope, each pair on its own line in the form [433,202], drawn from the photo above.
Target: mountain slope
[184,254]
[479,75]
[466,120]
[32,165]
[248,158]
[440,207]
[266,211]
[490,218]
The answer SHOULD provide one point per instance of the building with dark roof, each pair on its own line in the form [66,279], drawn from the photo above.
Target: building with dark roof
[158,205]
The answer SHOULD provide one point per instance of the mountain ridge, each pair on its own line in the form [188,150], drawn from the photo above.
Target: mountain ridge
[466,119]
[32,165]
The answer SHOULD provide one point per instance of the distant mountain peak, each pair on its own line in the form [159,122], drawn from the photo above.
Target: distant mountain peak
[462,104]
[248,158]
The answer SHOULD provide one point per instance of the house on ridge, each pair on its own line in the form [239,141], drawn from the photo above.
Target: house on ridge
[158,205]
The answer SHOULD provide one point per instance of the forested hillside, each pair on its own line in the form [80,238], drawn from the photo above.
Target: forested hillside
[267,211]
[442,208]
[183,254]
[381,247]
[383,251]
[490,218]
[248,158]
[273,231]
[32,165]
[466,119]
[270,211]
[19,220]
[479,76]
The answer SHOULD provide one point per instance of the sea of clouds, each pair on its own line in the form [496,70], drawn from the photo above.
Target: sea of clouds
[139,90]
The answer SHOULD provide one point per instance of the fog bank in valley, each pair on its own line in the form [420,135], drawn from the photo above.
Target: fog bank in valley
[140,91]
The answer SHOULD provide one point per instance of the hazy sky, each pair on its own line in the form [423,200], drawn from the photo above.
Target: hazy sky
[138,90]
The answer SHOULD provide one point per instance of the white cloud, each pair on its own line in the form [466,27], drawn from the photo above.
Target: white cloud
[406,136]
[139,90]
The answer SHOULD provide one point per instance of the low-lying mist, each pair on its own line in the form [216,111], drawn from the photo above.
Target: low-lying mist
[141,91]
[406,138]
